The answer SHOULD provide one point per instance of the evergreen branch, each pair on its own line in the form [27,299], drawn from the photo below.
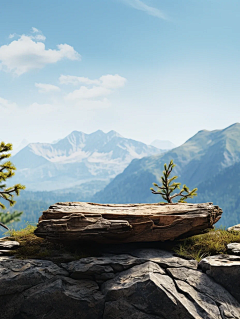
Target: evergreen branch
[6,171]
[169,186]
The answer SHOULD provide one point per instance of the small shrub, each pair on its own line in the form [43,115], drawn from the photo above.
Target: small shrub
[169,186]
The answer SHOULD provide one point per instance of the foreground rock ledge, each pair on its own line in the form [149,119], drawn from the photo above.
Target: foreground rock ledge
[142,284]
[104,223]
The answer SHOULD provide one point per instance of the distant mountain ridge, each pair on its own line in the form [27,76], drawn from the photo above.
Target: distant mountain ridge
[223,189]
[210,160]
[77,158]
[200,158]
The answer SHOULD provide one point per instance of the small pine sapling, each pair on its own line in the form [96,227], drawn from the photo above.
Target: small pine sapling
[169,186]
[7,193]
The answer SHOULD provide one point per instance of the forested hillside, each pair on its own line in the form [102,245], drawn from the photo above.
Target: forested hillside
[224,190]
[209,160]
[203,156]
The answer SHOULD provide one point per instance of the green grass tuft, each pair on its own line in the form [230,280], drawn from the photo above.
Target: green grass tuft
[35,247]
[211,243]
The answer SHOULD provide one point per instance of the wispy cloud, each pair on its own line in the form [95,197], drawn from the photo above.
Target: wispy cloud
[75,80]
[139,5]
[46,88]
[101,87]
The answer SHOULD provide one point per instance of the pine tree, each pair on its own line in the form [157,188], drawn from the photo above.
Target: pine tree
[7,193]
[169,186]
[7,218]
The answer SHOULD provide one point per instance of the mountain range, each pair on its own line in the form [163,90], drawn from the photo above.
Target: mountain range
[205,158]
[101,167]
[76,159]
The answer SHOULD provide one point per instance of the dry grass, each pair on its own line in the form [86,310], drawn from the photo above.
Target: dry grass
[197,247]
[35,247]
[211,243]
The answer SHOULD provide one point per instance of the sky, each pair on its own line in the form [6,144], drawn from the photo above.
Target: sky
[148,69]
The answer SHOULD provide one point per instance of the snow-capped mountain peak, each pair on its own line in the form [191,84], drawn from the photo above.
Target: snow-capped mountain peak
[77,158]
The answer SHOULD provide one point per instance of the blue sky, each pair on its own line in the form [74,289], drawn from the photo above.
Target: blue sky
[150,69]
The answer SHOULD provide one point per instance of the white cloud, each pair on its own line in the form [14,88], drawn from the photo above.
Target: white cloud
[35,30]
[99,88]
[112,81]
[108,81]
[86,93]
[75,80]
[139,5]
[27,53]
[46,88]
[38,35]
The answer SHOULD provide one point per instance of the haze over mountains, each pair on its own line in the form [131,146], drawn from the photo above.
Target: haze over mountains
[77,159]
[198,159]
[199,162]
[98,167]
[164,145]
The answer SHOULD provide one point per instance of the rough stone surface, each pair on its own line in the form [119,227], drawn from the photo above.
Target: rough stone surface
[5,252]
[107,223]
[163,258]
[224,269]
[41,289]
[234,249]
[101,269]
[142,284]
[8,244]
[205,293]
[234,228]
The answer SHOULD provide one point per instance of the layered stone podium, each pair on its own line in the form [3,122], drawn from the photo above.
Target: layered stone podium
[124,223]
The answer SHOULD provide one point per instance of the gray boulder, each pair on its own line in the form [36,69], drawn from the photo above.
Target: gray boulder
[225,270]
[234,228]
[141,284]
[234,249]
[176,293]
[8,244]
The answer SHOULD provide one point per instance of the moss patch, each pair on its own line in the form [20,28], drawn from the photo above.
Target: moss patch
[35,247]
[196,247]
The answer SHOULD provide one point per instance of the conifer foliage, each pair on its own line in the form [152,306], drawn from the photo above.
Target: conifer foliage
[7,218]
[169,186]
[7,193]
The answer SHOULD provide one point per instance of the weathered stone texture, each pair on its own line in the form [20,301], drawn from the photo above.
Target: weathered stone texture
[224,269]
[101,223]
[143,284]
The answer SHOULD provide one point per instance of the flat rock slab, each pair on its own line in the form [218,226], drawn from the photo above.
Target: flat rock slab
[101,223]
[5,252]
[234,228]
[8,244]
[225,269]
[234,249]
